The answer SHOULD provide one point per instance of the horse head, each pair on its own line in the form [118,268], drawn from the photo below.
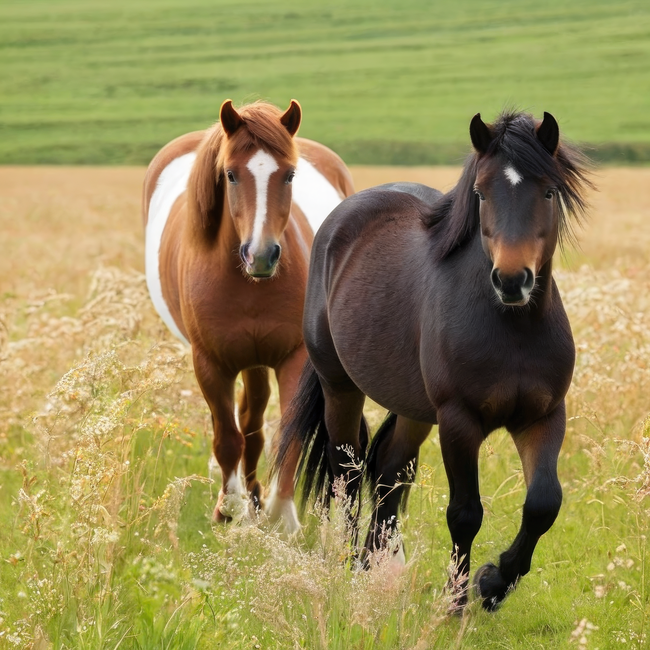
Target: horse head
[519,204]
[252,154]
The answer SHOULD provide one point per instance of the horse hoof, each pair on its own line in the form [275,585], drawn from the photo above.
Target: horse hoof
[490,586]
[231,507]
[219,518]
[281,509]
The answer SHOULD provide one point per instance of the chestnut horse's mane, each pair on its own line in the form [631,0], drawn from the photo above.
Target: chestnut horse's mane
[454,218]
[261,130]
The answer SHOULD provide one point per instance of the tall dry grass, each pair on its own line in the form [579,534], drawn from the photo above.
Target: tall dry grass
[106,539]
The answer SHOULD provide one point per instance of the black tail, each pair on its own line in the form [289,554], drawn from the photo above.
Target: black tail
[304,423]
[372,477]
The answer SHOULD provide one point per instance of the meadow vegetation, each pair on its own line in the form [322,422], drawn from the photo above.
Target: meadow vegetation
[106,496]
[381,82]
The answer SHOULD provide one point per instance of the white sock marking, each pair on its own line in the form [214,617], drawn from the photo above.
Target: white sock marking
[235,500]
[172,182]
[282,510]
[513,175]
[261,165]
[313,194]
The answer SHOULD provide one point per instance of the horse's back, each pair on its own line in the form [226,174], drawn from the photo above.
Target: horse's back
[179,148]
[369,215]
[322,181]
[428,195]
[165,181]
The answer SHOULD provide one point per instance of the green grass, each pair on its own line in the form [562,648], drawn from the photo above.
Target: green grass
[381,82]
[105,506]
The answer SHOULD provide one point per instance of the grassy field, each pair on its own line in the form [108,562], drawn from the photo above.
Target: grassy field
[105,495]
[383,83]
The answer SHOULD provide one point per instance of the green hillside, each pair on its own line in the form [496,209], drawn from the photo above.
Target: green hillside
[90,82]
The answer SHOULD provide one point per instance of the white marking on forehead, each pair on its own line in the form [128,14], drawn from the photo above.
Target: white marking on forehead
[261,165]
[172,182]
[313,194]
[513,175]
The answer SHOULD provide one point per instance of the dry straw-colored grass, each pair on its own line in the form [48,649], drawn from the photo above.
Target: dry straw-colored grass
[98,401]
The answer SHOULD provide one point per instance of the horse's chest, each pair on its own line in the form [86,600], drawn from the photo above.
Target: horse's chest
[242,329]
[514,382]
[514,401]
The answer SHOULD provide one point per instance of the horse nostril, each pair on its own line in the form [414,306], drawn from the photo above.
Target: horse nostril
[529,281]
[243,253]
[495,276]
[275,254]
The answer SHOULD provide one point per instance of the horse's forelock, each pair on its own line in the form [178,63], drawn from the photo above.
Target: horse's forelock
[568,169]
[455,217]
[262,129]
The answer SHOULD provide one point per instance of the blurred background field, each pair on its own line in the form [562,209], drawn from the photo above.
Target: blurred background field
[89,82]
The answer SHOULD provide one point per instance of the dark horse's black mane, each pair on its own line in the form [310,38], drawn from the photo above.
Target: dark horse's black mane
[454,218]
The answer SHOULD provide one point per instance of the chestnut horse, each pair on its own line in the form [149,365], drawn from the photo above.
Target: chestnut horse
[228,238]
[443,309]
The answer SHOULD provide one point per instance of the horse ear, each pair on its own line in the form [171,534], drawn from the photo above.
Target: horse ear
[292,117]
[230,119]
[548,133]
[205,190]
[480,134]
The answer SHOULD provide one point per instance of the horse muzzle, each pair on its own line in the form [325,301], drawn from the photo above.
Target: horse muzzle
[260,264]
[513,289]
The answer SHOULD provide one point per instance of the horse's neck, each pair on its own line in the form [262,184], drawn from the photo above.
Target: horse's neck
[227,239]
[218,236]
[543,294]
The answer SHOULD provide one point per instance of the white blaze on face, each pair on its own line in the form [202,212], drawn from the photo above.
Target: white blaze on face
[513,175]
[261,165]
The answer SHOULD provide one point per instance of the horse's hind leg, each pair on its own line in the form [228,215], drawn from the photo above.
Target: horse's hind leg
[391,466]
[280,505]
[252,404]
[539,448]
[345,426]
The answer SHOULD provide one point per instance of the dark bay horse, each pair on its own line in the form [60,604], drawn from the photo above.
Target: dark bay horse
[443,309]
[228,238]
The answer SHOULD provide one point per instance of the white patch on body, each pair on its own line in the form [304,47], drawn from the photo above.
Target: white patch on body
[172,182]
[513,175]
[261,165]
[281,510]
[313,194]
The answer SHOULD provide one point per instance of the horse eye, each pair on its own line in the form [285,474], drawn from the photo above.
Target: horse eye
[480,195]
[290,177]
[550,193]
[231,177]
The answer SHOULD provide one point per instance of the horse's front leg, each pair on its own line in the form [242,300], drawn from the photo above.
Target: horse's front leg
[252,404]
[228,443]
[460,441]
[539,448]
